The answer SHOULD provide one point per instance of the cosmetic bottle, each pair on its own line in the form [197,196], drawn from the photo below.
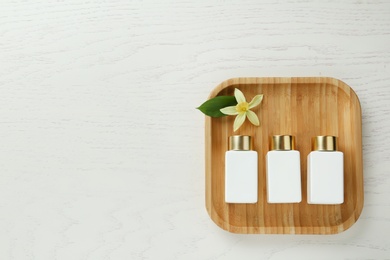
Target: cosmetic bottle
[325,172]
[283,171]
[241,164]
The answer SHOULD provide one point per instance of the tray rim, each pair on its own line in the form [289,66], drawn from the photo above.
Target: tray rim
[319,230]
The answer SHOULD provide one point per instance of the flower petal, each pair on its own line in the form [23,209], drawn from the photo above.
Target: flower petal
[229,110]
[239,96]
[253,117]
[240,118]
[256,101]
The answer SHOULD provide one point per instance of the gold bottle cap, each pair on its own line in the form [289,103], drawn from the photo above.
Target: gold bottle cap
[282,142]
[324,143]
[240,142]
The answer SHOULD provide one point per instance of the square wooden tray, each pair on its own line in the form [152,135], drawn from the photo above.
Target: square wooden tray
[303,107]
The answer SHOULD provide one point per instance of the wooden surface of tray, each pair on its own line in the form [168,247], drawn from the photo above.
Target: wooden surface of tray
[303,107]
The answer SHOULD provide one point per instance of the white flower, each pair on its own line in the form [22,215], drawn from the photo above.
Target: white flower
[242,109]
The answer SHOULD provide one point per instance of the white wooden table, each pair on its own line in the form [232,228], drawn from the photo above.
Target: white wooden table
[102,149]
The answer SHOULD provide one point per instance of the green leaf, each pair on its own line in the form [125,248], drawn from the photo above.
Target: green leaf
[212,106]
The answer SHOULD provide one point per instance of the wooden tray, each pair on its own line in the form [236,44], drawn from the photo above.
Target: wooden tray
[303,107]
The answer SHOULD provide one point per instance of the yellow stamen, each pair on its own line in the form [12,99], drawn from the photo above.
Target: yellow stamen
[242,107]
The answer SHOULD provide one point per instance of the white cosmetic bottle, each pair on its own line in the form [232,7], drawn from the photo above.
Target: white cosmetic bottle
[325,172]
[283,171]
[241,171]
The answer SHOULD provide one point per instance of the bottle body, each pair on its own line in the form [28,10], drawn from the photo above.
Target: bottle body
[283,176]
[325,177]
[241,176]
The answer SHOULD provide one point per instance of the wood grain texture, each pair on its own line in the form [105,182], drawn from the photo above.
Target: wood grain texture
[102,149]
[304,108]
